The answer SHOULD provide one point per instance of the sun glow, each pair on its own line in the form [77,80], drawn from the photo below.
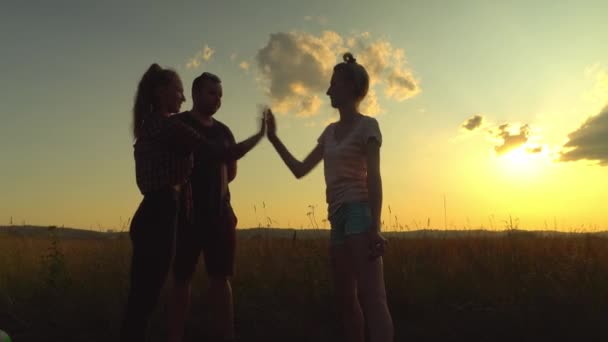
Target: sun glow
[522,162]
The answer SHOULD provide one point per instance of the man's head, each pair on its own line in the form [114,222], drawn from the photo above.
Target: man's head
[207,93]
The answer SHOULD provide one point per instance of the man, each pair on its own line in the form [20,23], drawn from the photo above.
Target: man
[212,228]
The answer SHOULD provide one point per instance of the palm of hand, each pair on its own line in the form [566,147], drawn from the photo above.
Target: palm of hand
[271,127]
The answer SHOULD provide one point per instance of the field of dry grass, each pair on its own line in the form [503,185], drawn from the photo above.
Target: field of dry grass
[441,288]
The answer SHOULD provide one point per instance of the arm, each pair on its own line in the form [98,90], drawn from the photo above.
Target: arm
[374,182]
[231,170]
[298,168]
[377,243]
[231,164]
[234,151]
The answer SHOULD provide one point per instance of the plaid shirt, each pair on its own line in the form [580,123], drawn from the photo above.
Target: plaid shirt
[163,158]
[163,154]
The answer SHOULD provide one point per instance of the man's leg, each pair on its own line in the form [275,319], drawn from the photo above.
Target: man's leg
[222,306]
[219,251]
[187,251]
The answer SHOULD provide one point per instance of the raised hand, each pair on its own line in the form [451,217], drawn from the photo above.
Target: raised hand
[262,130]
[271,125]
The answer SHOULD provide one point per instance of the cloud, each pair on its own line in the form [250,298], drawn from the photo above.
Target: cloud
[401,85]
[296,67]
[244,65]
[534,149]
[385,65]
[589,141]
[473,123]
[201,56]
[370,105]
[512,137]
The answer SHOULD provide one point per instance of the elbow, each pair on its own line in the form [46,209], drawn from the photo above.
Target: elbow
[299,172]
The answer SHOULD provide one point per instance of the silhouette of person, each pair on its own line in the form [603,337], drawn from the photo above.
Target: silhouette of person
[213,228]
[163,164]
[350,149]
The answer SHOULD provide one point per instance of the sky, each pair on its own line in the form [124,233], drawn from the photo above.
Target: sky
[493,113]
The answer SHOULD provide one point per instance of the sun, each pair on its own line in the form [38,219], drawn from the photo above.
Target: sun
[522,162]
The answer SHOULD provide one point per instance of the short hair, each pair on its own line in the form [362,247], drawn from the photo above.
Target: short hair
[355,73]
[198,82]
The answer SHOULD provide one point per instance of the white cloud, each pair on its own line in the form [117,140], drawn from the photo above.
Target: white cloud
[204,55]
[296,67]
[244,65]
[370,105]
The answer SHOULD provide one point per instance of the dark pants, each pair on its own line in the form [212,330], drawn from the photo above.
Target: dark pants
[152,234]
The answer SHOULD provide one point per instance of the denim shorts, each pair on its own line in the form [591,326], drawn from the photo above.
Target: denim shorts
[350,219]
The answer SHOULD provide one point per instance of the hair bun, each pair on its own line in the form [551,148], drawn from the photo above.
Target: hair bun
[154,69]
[349,58]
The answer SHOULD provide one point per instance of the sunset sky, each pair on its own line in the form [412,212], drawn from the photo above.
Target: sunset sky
[498,107]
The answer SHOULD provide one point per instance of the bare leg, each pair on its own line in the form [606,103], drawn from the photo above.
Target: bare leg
[371,289]
[220,299]
[345,285]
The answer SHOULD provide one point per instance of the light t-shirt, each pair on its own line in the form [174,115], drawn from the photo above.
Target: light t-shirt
[345,165]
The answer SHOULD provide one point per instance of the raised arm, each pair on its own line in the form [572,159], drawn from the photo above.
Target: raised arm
[242,148]
[298,168]
[184,139]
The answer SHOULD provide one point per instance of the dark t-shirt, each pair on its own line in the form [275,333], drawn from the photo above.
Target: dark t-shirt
[210,193]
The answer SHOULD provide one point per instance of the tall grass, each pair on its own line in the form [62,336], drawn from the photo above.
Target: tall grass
[514,287]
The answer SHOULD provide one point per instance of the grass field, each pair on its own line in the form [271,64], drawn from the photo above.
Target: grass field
[512,287]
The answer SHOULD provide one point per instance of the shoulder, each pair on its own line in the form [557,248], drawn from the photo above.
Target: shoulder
[329,127]
[369,124]
[369,129]
[368,120]
[222,127]
[324,133]
[180,117]
[181,123]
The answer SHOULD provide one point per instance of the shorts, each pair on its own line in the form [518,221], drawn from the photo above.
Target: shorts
[350,219]
[214,236]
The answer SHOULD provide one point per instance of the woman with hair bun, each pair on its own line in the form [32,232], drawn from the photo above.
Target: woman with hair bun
[350,149]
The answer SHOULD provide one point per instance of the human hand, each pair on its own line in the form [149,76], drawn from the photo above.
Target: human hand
[377,244]
[271,125]
[262,130]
